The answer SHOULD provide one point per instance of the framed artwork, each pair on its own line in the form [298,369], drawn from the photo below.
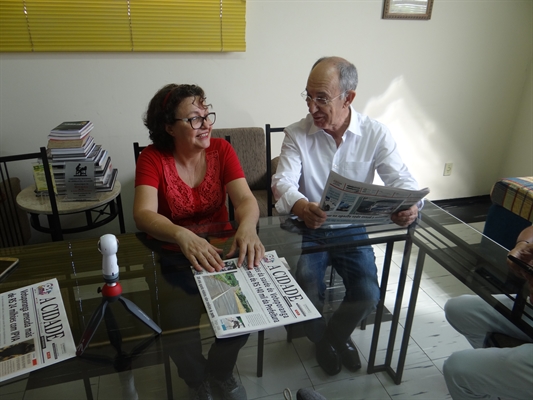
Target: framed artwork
[407,9]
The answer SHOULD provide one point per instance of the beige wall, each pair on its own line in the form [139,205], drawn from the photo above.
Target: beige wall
[455,89]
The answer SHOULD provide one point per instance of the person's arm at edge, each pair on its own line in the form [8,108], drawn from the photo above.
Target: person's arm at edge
[246,215]
[148,220]
[524,251]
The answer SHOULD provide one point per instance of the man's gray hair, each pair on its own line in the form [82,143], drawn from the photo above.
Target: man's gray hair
[348,79]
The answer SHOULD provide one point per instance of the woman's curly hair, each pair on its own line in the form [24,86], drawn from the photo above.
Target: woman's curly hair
[162,108]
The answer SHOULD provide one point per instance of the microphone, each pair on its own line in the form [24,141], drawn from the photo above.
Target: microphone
[108,246]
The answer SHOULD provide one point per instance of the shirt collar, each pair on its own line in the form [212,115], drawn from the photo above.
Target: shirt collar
[353,127]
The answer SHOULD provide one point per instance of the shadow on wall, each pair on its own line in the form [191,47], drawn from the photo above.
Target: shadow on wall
[421,145]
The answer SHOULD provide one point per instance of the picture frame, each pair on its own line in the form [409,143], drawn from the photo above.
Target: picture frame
[407,9]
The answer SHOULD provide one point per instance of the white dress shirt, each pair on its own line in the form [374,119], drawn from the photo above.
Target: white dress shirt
[308,154]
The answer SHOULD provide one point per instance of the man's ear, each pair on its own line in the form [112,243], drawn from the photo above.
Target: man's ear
[350,96]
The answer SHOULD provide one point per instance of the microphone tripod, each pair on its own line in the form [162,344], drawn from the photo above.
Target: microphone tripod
[111,292]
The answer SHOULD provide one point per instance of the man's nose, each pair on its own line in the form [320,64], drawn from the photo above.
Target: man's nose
[312,106]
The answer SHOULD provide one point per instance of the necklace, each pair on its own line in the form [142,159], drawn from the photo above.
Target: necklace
[183,170]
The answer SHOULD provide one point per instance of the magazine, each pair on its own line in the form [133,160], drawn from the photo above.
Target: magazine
[242,300]
[348,201]
[34,329]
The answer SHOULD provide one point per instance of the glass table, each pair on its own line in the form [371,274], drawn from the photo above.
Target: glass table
[148,276]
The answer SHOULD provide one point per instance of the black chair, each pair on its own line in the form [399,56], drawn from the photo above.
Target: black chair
[270,197]
[15,230]
[137,149]
[268,131]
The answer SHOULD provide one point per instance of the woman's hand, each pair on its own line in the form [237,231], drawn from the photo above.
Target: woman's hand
[249,245]
[200,252]
[247,215]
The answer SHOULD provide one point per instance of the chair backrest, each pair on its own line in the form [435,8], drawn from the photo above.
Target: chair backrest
[270,164]
[15,230]
[137,150]
[249,144]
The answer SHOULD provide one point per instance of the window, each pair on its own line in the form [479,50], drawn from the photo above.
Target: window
[122,25]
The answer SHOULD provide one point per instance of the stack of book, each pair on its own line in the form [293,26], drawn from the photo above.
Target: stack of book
[71,141]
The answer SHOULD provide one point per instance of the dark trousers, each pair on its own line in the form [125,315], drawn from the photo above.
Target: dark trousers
[357,268]
[181,309]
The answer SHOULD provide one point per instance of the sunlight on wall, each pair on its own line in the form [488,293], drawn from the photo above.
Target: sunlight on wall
[419,141]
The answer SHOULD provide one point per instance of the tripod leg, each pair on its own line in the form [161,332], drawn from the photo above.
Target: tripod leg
[113,332]
[93,324]
[135,310]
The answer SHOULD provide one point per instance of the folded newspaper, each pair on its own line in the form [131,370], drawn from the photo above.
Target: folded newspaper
[348,201]
[34,330]
[242,300]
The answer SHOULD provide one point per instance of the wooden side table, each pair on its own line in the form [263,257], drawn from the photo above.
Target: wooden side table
[97,212]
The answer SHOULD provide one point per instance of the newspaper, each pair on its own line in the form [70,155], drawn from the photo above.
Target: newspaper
[242,300]
[34,330]
[348,201]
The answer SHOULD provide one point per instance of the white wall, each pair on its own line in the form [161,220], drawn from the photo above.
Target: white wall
[518,160]
[451,88]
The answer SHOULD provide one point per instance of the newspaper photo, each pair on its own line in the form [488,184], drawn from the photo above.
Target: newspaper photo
[242,300]
[34,330]
[347,201]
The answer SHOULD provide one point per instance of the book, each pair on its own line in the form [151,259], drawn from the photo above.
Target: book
[239,300]
[75,129]
[86,155]
[82,150]
[110,184]
[39,178]
[58,143]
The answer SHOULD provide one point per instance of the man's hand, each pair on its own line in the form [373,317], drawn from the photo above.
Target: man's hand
[405,217]
[312,215]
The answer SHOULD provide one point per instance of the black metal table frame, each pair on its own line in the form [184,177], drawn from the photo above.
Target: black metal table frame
[110,210]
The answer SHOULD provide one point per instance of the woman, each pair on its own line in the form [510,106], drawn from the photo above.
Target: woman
[181,180]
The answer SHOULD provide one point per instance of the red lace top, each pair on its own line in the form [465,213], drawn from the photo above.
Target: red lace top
[177,201]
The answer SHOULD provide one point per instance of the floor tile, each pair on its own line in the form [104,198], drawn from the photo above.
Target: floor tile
[65,391]
[280,357]
[419,381]
[356,388]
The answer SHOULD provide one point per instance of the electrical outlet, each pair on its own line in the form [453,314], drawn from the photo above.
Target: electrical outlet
[447,169]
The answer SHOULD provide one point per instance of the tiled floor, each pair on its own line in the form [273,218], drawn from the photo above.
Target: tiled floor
[432,341]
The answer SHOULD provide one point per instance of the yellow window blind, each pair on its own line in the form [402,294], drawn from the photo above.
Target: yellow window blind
[122,25]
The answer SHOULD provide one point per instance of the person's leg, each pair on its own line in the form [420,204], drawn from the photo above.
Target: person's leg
[223,356]
[220,363]
[490,373]
[357,267]
[180,310]
[310,272]
[473,317]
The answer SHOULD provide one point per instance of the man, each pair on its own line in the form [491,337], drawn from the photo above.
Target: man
[335,137]
[491,372]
